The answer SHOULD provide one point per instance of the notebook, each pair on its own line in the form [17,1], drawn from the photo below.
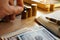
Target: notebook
[54,28]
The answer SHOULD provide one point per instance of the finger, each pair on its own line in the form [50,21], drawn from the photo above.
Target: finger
[6,19]
[11,2]
[12,17]
[20,3]
[17,10]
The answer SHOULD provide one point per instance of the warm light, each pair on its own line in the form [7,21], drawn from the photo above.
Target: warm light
[39,14]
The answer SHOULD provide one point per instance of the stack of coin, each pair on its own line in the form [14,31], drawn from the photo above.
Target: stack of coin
[29,10]
[34,9]
[51,7]
[24,14]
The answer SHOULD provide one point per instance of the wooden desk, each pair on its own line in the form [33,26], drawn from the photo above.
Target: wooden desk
[16,25]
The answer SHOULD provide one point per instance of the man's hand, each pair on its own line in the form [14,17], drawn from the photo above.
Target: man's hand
[8,9]
[19,8]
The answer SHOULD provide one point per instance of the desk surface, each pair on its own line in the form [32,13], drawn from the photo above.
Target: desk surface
[17,24]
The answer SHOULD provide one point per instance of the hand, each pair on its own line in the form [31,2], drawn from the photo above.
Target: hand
[17,9]
[9,11]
